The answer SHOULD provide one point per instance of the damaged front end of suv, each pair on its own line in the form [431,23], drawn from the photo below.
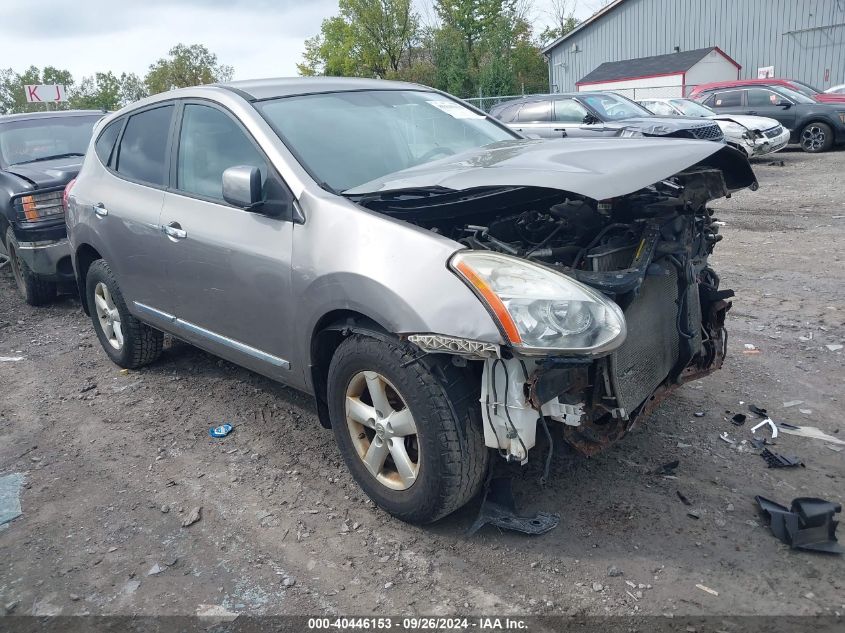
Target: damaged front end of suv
[593,261]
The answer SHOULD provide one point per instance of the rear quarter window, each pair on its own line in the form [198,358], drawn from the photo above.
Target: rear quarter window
[105,142]
[142,154]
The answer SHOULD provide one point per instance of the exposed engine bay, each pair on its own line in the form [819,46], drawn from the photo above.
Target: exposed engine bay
[647,251]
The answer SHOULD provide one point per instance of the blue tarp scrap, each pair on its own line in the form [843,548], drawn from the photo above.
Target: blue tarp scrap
[10,497]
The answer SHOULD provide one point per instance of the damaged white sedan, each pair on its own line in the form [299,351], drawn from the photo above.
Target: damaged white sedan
[441,285]
[754,135]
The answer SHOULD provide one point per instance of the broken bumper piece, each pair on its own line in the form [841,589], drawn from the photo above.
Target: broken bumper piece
[808,524]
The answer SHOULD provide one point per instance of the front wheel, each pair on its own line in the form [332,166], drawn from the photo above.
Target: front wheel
[816,137]
[409,431]
[128,342]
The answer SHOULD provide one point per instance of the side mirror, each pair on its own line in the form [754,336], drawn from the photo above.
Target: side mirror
[242,186]
[785,104]
[589,119]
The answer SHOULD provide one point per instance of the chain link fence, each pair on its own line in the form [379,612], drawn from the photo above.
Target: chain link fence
[635,94]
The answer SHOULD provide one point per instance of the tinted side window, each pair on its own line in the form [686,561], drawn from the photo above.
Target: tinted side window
[708,100]
[105,144]
[210,142]
[761,97]
[537,111]
[730,99]
[569,111]
[142,154]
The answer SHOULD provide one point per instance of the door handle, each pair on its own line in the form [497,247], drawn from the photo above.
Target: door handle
[100,210]
[751,112]
[560,129]
[174,231]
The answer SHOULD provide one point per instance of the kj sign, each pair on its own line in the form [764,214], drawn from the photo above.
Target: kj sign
[45,94]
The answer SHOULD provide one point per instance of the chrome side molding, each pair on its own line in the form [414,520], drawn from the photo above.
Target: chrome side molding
[188,327]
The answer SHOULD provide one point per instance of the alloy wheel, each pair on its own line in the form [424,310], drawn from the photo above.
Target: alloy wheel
[383,430]
[812,138]
[108,316]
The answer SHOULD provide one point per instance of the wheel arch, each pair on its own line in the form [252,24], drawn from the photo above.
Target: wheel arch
[84,256]
[329,332]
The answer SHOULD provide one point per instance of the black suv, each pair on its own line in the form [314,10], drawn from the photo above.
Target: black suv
[597,114]
[816,126]
[40,153]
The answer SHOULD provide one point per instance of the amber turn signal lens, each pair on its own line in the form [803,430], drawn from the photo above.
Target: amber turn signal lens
[493,301]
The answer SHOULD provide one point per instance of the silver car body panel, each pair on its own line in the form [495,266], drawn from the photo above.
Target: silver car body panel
[596,168]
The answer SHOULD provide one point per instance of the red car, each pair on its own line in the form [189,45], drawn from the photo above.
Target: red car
[822,97]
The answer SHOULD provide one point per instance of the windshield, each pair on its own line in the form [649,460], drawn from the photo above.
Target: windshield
[38,139]
[345,139]
[796,96]
[692,108]
[611,107]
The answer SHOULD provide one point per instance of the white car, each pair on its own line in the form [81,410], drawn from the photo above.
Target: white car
[755,135]
[836,90]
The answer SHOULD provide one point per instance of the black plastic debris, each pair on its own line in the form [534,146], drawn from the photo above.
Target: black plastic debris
[683,499]
[761,442]
[758,411]
[667,468]
[499,509]
[739,419]
[787,425]
[808,524]
[776,460]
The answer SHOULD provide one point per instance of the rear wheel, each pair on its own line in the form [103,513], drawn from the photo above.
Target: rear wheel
[816,137]
[33,288]
[128,342]
[409,432]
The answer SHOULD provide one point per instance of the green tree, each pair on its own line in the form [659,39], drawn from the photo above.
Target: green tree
[100,92]
[563,20]
[186,66]
[369,38]
[132,88]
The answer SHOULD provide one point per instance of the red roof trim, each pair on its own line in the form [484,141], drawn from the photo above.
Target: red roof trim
[729,58]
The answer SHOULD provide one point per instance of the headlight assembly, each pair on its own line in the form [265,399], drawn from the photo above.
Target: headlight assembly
[539,310]
[631,132]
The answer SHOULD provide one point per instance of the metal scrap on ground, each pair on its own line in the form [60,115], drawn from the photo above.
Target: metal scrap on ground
[10,497]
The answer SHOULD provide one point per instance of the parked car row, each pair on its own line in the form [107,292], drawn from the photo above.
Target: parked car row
[440,283]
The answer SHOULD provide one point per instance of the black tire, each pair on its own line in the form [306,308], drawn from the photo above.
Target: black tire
[33,288]
[141,343]
[443,400]
[816,137]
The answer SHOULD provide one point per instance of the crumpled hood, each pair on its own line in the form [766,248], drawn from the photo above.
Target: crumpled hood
[595,168]
[48,173]
[751,122]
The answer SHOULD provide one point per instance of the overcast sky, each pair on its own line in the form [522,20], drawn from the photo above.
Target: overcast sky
[259,38]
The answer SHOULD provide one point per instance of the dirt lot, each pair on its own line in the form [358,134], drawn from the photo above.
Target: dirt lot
[114,462]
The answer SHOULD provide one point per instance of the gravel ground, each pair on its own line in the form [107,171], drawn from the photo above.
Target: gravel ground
[115,461]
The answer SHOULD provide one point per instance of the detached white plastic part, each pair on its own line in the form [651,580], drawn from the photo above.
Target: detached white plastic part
[764,423]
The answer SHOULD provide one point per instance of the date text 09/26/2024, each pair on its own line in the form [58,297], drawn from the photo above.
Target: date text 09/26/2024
[416,624]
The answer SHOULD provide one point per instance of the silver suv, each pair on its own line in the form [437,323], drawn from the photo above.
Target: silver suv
[439,284]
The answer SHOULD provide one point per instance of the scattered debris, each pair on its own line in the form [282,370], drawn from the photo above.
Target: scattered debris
[288,581]
[706,589]
[760,442]
[758,411]
[193,516]
[10,497]
[614,571]
[811,432]
[699,414]
[694,514]
[682,445]
[155,570]
[667,468]
[220,431]
[597,586]
[833,448]
[499,509]
[683,499]
[792,403]
[776,460]
[767,421]
[751,349]
[10,359]
[726,438]
[787,425]
[834,347]
[739,419]
[808,524]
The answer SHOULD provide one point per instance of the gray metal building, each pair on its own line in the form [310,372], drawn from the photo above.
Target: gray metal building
[801,39]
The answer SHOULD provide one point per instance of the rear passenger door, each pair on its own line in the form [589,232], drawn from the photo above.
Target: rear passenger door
[229,268]
[127,198]
[726,101]
[535,117]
